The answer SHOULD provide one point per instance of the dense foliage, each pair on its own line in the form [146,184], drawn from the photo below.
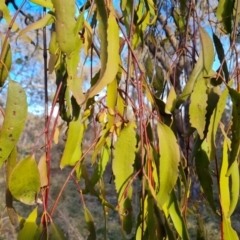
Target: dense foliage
[162,107]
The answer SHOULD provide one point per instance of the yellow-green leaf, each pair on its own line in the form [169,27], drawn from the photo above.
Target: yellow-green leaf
[202,67]
[90,224]
[30,228]
[15,116]
[169,160]
[5,61]
[112,58]
[24,182]
[65,24]
[228,232]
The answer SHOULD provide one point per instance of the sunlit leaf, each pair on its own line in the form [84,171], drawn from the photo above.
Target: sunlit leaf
[5,61]
[43,3]
[24,181]
[43,22]
[224,14]
[30,228]
[202,67]
[15,116]
[169,160]
[112,60]
[65,24]
[124,156]
[228,231]
[42,167]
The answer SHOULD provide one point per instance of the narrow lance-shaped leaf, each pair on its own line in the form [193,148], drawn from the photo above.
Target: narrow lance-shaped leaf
[112,58]
[235,146]
[124,156]
[214,122]
[169,160]
[56,233]
[65,24]
[224,14]
[202,67]
[202,167]
[24,182]
[228,231]
[15,116]
[90,224]
[5,61]
[198,106]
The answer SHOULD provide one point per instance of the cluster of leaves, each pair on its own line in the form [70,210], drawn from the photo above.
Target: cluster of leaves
[135,130]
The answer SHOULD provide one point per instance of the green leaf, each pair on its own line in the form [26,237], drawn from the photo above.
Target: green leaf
[90,224]
[24,181]
[11,163]
[42,167]
[234,187]
[112,62]
[176,216]
[205,179]
[30,228]
[102,163]
[224,14]
[224,181]
[124,156]
[5,61]
[65,24]
[72,151]
[202,67]
[214,122]
[198,106]
[56,233]
[43,3]
[15,116]
[169,160]
[221,55]
[228,231]
[171,101]
[111,100]
[235,146]
[41,23]
[158,81]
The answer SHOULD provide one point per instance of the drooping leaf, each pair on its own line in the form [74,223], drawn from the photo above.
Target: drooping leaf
[112,60]
[234,187]
[202,67]
[224,181]
[24,181]
[198,107]
[214,122]
[224,14]
[202,167]
[102,163]
[171,101]
[169,160]
[90,224]
[72,151]
[56,233]
[221,55]
[176,216]
[235,146]
[124,156]
[15,116]
[30,228]
[42,167]
[65,24]
[201,232]
[5,61]
[11,163]
[41,23]
[228,231]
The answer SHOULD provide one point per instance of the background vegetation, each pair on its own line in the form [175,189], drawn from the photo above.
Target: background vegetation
[141,129]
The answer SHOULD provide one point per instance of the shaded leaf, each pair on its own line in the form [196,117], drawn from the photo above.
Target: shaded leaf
[24,181]
[15,117]
[90,224]
[56,233]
